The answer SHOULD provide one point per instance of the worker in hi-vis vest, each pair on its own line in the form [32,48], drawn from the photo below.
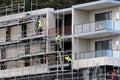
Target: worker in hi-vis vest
[68,59]
[29,13]
[40,26]
[58,42]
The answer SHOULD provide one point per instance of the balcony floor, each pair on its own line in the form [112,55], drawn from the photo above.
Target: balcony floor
[97,34]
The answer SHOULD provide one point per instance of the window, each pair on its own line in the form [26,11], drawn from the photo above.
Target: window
[103,48]
[24,30]
[27,51]
[3,66]
[27,62]
[103,45]
[103,21]
[27,48]
[58,23]
[42,59]
[3,55]
[67,20]
[8,33]
[59,26]
[103,16]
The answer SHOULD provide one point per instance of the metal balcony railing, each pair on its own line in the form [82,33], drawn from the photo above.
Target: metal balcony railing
[53,31]
[96,26]
[96,54]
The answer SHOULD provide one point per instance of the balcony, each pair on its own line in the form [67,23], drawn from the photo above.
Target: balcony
[66,31]
[97,58]
[97,29]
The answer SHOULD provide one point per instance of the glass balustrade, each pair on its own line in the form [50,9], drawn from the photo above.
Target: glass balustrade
[96,54]
[96,26]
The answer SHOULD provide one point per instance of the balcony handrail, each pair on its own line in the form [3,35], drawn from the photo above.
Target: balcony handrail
[95,51]
[54,31]
[96,26]
[92,22]
[98,50]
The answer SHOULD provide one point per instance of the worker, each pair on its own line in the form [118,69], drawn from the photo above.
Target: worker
[29,13]
[114,75]
[58,38]
[68,59]
[58,41]
[40,26]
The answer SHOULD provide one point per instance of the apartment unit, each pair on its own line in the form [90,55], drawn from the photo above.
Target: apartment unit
[90,35]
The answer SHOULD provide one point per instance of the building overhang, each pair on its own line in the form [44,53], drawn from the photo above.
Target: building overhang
[97,34]
[96,5]
[63,11]
[101,61]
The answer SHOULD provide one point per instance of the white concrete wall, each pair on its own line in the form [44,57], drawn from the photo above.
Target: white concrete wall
[15,33]
[11,64]
[51,21]
[80,16]
[2,35]
[20,50]
[35,48]
[112,9]
[11,52]
[30,31]
[20,63]
[51,24]
[81,45]
[23,71]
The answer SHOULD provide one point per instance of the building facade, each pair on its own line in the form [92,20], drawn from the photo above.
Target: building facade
[90,35]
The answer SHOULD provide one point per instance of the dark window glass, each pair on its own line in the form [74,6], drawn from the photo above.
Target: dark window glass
[103,48]
[58,23]
[27,62]
[103,16]
[27,51]
[3,55]
[103,45]
[68,20]
[8,33]
[3,66]
[24,29]
[27,48]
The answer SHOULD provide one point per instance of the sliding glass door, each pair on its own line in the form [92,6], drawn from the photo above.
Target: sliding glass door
[103,48]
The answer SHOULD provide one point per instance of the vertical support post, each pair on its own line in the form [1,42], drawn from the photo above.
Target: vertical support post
[11,6]
[24,6]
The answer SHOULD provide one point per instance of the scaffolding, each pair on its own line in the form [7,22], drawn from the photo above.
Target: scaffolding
[34,55]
